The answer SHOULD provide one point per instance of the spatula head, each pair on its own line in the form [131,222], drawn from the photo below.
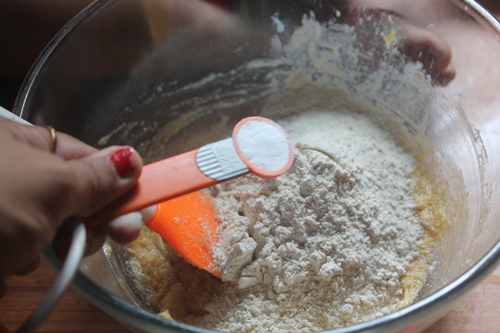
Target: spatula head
[188,225]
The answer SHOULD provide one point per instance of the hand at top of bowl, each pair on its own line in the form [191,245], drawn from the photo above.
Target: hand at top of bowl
[415,39]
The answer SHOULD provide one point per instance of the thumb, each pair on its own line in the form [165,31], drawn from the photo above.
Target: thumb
[100,178]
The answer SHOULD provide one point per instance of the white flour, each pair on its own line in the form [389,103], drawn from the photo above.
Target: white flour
[334,236]
[347,234]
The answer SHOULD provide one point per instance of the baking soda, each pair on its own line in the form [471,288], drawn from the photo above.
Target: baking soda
[263,144]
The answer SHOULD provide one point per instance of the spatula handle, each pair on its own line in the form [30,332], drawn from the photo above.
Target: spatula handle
[159,181]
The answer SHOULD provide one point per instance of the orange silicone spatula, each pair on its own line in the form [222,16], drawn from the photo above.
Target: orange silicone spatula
[188,224]
[187,221]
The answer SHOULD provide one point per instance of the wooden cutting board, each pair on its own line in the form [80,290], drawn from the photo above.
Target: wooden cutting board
[478,312]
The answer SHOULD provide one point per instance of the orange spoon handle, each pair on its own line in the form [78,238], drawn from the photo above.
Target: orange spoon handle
[159,181]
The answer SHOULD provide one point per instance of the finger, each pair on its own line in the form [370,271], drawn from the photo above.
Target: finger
[71,148]
[96,236]
[39,137]
[126,228]
[30,268]
[62,241]
[100,178]
[148,213]
[63,238]
[123,230]
[433,52]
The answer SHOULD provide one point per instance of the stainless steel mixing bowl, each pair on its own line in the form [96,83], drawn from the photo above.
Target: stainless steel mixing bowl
[160,75]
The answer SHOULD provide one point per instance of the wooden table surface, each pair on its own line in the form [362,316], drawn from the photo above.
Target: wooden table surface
[478,312]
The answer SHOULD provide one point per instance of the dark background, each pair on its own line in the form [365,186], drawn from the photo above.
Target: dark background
[27,26]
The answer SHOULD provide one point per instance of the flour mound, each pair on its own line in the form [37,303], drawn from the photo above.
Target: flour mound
[328,243]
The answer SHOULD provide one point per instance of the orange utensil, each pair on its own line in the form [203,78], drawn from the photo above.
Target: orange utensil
[188,225]
[185,218]
[258,145]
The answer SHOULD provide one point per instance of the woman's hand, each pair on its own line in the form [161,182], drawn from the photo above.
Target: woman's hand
[415,40]
[40,190]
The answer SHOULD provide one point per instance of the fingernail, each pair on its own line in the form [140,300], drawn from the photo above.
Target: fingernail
[148,213]
[123,163]
[95,239]
[125,228]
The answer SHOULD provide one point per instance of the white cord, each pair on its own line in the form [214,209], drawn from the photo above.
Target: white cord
[68,271]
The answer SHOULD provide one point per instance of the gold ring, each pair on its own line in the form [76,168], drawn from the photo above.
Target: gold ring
[53,138]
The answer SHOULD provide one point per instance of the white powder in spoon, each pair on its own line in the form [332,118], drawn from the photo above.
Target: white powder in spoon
[263,144]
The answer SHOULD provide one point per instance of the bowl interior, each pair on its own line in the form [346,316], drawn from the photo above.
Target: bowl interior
[179,81]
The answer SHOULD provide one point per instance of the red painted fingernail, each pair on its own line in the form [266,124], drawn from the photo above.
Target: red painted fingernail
[122,162]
